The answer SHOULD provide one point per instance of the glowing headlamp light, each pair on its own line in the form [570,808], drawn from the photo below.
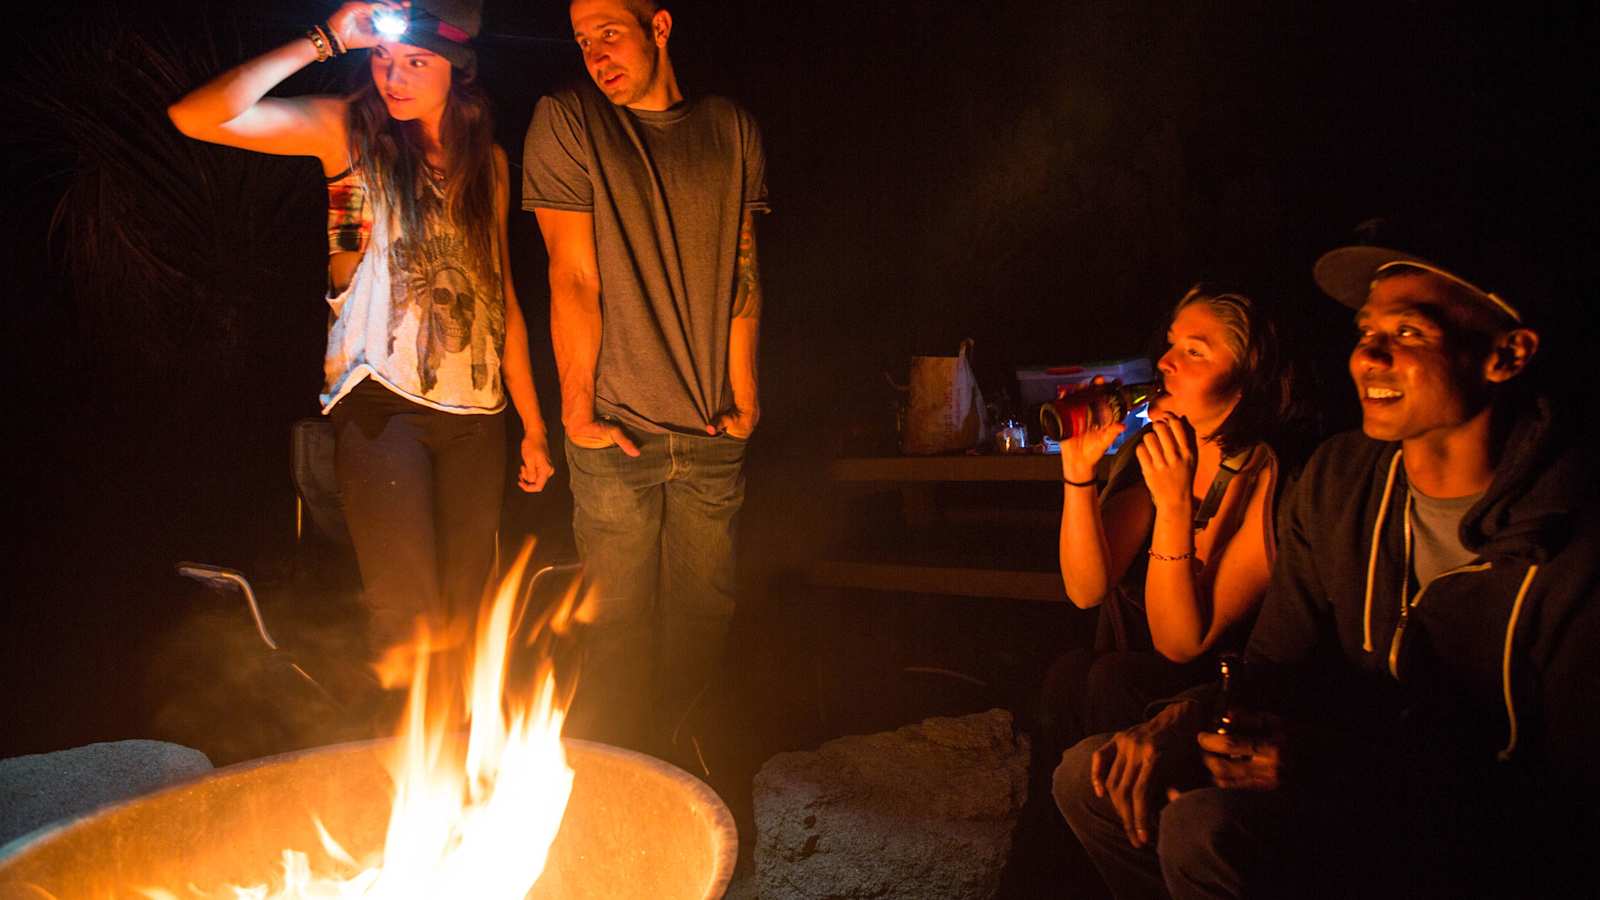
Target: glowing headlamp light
[389,22]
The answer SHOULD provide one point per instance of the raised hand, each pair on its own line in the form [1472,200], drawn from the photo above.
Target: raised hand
[1081,452]
[352,24]
[1167,458]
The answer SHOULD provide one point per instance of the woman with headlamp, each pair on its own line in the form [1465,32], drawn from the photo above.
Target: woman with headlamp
[425,338]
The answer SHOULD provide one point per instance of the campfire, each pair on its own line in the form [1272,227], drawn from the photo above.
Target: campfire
[473,799]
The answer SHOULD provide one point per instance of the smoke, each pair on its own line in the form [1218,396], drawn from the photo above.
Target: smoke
[217,687]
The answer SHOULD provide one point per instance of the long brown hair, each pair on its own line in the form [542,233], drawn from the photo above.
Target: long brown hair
[392,156]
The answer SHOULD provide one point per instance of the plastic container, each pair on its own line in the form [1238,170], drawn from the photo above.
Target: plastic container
[1037,384]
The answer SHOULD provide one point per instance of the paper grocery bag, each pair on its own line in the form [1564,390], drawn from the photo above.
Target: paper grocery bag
[945,410]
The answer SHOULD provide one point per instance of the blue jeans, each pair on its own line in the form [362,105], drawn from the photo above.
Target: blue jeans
[656,534]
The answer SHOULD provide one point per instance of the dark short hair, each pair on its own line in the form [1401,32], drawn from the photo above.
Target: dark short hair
[643,10]
[1264,376]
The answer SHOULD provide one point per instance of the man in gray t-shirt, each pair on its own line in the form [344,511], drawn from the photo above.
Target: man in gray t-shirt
[646,202]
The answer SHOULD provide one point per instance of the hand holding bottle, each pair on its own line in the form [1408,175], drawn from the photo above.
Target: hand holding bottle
[1081,452]
[1243,749]
[1081,449]
[1245,762]
[1079,408]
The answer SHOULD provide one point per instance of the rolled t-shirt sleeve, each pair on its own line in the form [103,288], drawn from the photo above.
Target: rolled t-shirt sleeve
[555,159]
[755,165]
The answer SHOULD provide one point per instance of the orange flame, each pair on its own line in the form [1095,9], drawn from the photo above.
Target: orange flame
[473,820]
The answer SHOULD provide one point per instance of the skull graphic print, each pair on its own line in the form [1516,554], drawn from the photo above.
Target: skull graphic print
[459,315]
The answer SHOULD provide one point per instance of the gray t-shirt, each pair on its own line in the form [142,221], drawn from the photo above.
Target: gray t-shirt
[1436,533]
[667,191]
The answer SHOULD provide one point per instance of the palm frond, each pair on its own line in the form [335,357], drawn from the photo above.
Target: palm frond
[174,250]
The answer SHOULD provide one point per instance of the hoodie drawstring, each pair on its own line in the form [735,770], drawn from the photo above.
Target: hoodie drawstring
[1372,559]
[1511,622]
[1505,663]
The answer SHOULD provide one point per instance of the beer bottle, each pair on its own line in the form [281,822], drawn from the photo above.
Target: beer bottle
[1232,716]
[1078,408]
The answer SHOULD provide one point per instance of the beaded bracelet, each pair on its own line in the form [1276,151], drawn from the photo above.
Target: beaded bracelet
[320,41]
[1167,557]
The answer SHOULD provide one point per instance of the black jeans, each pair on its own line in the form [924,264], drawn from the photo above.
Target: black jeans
[422,491]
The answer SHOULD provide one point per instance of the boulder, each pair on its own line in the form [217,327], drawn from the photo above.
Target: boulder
[45,787]
[926,811]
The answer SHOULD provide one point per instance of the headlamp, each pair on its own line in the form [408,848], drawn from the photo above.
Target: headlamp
[389,22]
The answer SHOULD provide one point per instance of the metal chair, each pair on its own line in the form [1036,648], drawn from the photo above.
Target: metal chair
[319,514]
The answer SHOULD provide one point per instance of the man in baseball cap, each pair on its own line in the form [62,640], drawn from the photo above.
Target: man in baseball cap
[1427,643]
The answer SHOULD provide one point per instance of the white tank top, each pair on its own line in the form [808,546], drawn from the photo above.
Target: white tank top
[420,320]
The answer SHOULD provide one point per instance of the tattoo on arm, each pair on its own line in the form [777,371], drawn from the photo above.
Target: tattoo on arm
[747,293]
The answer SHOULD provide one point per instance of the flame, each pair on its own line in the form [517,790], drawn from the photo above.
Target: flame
[473,817]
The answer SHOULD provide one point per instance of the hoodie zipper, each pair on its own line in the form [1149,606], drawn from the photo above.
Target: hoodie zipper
[1405,609]
[1408,604]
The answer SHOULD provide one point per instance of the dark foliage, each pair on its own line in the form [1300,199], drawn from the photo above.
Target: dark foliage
[174,250]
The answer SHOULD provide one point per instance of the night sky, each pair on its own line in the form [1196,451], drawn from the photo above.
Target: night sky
[1046,178]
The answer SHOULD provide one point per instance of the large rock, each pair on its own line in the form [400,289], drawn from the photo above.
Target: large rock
[926,811]
[39,789]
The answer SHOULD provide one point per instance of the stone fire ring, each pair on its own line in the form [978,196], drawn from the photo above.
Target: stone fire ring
[635,827]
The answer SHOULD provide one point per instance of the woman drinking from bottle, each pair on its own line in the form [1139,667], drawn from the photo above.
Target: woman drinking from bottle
[1177,546]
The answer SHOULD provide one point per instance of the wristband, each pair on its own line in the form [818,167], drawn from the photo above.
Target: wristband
[333,39]
[1169,557]
[1090,483]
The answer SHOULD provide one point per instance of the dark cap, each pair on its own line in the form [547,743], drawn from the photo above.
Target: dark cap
[1346,275]
[447,28]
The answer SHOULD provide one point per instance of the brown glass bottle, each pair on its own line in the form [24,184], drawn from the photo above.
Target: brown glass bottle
[1232,710]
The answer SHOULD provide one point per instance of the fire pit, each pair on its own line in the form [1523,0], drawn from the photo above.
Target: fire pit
[634,827]
[504,810]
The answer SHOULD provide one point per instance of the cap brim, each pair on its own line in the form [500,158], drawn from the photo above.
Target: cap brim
[1346,275]
[460,55]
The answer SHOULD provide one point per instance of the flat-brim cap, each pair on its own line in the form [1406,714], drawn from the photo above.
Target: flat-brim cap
[1346,275]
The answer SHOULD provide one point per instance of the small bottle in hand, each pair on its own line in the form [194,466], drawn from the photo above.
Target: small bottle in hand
[1234,716]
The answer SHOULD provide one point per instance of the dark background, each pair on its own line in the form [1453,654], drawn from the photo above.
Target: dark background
[1045,178]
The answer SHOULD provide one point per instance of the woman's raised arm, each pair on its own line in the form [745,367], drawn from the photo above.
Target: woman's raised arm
[233,109]
[1096,546]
